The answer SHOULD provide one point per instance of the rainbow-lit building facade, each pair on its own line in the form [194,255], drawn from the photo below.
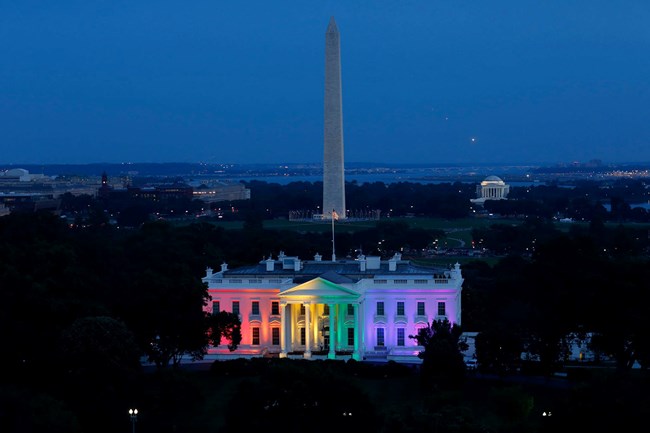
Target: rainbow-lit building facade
[364,308]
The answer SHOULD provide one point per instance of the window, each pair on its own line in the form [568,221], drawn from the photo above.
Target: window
[380,336]
[326,310]
[350,310]
[380,308]
[420,309]
[350,336]
[235,307]
[256,336]
[302,336]
[400,336]
[275,308]
[400,308]
[441,309]
[275,336]
[215,307]
[302,309]
[256,308]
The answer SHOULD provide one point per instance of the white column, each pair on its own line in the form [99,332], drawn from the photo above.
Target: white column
[332,352]
[283,330]
[362,329]
[357,333]
[307,330]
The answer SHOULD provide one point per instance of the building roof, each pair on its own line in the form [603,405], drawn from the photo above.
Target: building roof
[340,271]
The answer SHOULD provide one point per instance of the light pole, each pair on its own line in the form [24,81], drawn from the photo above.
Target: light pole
[134,417]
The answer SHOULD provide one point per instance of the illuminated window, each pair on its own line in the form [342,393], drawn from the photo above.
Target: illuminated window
[302,336]
[326,310]
[400,308]
[256,308]
[275,336]
[235,307]
[215,307]
[380,336]
[275,308]
[302,309]
[441,309]
[350,336]
[420,309]
[256,336]
[350,310]
[400,336]
[380,308]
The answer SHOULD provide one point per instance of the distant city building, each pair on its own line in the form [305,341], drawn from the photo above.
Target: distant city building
[20,175]
[333,159]
[360,309]
[222,192]
[492,188]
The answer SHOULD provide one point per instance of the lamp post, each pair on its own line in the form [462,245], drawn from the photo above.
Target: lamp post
[134,417]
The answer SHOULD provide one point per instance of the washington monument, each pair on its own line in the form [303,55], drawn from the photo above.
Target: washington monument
[333,169]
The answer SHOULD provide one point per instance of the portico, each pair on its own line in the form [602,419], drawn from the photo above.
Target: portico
[319,315]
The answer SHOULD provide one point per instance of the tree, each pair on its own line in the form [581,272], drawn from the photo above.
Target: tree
[224,325]
[442,360]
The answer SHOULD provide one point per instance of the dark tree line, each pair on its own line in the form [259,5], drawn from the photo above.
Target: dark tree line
[569,287]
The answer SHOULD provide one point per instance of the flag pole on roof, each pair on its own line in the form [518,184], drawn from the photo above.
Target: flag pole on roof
[335,216]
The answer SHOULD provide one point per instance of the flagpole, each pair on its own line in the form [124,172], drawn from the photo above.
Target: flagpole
[333,246]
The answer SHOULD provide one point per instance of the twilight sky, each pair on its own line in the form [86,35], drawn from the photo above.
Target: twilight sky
[427,81]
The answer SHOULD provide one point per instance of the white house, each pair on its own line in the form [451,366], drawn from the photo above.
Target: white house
[361,309]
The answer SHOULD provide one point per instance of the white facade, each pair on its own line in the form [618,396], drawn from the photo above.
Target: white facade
[364,308]
[492,188]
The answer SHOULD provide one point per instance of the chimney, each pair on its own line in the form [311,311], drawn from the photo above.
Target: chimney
[318,257]
[224,267]
[362,263]
[392,265]
[297,264]
[270,264]
[208,272]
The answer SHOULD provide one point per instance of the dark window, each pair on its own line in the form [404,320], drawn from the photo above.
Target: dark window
[275,336]
[275,308]
[326,310]
[235,307]
[350,310]
[441,309]
[420,309]
[256,308]
[256,336]
[302,336]
[215,307]
[400,308]
[380,308]
[302,309]
[350,336]
[400,336]
[380,336]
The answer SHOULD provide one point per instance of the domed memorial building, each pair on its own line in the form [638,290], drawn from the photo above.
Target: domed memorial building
[492,188]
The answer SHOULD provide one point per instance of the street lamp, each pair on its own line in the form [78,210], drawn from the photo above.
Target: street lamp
[134,417]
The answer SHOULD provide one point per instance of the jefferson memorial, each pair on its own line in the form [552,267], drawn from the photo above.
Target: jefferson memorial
[364,308]
[492,188]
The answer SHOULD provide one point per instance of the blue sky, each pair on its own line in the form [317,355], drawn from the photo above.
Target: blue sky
[435,81]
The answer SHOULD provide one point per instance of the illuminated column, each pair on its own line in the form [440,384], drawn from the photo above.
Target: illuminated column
[357,334]
[283,330]
[307,330]
[332,352]
[362,330]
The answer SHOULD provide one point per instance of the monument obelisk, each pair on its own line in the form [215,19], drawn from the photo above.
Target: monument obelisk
[333,168]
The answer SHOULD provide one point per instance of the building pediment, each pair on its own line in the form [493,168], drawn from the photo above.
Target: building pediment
[320,289]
